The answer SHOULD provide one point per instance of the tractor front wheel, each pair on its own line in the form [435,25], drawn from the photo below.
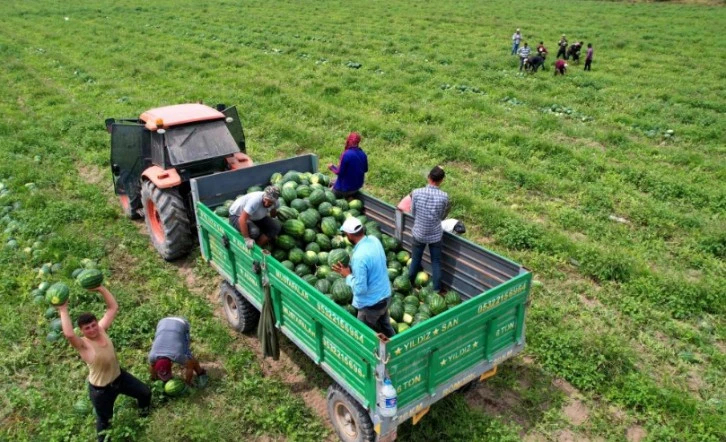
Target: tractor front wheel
[167,221]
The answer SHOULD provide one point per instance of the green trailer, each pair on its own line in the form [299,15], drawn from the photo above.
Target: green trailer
[449,352]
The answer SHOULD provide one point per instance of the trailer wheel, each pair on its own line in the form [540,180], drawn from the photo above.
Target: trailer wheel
[127,206]
[241,315]
[349,418]
[167,221]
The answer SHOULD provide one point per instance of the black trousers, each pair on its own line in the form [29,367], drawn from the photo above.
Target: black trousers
[376,317]
[103,399]
[562,51]
[588,64]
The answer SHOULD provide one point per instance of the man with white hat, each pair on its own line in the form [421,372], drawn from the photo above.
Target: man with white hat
[516,38]
[367,276]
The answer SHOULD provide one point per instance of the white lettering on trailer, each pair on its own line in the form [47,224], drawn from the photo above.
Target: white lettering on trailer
[337,320]
[299,321]
[291,285]
[486,306]
[345,359]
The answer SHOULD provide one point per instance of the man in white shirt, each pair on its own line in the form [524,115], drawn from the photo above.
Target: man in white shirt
[256,210]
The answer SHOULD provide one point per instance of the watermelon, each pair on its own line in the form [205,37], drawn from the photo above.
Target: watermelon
[402,284]
[310,258]
[329,226]
[437,305]
[350,309]
[355,204]
[43,286]
[362,218]
[174,387]
[313,247]
[299,204]
[310,279]
[337,242]
[342,203]
[337,213]
[322,271]
[422,278]
[324,208]
[39,300]
[323,258]
[403,257]
[395,265]
[56,325]
[407,318]
[323,241]
[333,276]
[309,235]
[254,189]
[323,285]
[316,198]
[50,313]
[393,273]
[52,336]
[310,217]
[291,176]
[351,212]
[322,179]
[294,228]
[288,193]
[402,327]
[330,196]
[275,178]
[286,213]
[288,265]
[424,308]
[222,211]
[396,311]
[452,299]
[83,407]
[302,269]
[285,242]
[411,309]
[296,255]
[412,300]
[338,256]
[279,254]
[389,243]
[303,191]
[342,294]
[57,294]
[90,279]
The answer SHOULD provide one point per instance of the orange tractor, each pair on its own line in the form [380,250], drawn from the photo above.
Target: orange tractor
[154,157]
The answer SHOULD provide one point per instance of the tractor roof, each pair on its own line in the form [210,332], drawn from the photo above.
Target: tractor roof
[178,114]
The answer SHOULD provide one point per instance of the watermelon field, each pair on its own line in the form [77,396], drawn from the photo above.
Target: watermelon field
[609,185]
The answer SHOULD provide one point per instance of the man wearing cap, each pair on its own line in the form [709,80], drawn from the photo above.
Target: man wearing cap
[516,38]
[253,213]
[171,344]
[367,276]
[562,44]
[429,206]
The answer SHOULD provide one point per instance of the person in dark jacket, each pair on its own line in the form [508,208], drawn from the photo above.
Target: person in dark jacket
[534,63]
[574,51]
[351,170]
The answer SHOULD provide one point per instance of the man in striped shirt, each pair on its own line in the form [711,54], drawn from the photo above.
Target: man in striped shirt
[523,54]
[429,206]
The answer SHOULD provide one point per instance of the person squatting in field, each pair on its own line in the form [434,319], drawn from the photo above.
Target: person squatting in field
[172,345]
[574,51]
[560,67]
[533,63]
[351,170]
[252,214]
[367,276]
[106,378]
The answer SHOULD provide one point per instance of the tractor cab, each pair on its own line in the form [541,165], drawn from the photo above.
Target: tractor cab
[162,150]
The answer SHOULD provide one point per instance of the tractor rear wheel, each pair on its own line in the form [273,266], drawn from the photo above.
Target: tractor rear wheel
[167,221]
[350,420]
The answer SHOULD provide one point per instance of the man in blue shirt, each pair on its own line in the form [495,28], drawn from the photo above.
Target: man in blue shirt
[367,276]
[352,169]
[171,344]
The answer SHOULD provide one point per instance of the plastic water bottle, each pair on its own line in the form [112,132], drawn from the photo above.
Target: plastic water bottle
[388,403]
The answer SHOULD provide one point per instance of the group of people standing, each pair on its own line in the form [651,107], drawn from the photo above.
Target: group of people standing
[565,51]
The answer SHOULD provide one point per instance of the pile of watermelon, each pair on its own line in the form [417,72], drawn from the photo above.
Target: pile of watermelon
[311,243]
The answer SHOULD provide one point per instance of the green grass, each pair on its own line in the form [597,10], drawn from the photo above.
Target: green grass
[623,225]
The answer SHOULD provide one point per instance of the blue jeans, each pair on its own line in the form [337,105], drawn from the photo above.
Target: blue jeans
[435,251]
[515,48]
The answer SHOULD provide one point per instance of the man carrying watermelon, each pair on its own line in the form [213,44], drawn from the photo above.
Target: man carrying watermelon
[367,277]
[253,213]
[351,170]
[106,379]
[429,206]
[171,344]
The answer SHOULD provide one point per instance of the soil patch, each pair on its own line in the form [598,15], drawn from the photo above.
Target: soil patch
[576,412]
[636,433]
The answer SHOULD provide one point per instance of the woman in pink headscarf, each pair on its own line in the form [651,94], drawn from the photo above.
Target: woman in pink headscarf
[351,170]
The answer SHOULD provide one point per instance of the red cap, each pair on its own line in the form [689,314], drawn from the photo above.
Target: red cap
[163,369]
